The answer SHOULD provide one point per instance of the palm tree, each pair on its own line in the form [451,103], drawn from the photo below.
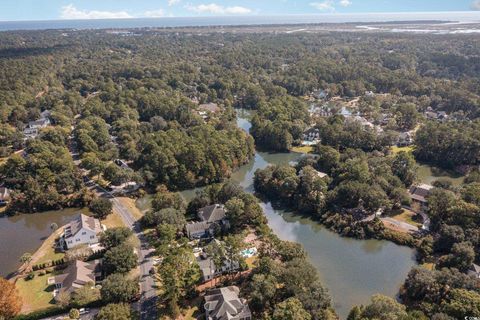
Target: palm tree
[53,227]
[26,257]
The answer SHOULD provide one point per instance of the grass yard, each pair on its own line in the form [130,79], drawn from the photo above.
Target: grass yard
[407,216]
[396,149]
[429,266]
[113,221]
[302,149]
[132,207]
[36,294]
[46,252]
[251,262]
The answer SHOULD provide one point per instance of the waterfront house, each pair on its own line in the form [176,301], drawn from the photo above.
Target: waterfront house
[225,304]
[82,230]
[316,172]
[78,274]
[211,218]
[419,193]
[4,196]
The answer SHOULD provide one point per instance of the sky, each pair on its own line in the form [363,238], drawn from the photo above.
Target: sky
[11,10]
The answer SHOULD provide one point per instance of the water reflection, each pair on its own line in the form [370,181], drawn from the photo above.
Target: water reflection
[428,174]
[25,233]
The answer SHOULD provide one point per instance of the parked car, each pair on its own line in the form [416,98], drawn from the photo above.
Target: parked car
[83,311]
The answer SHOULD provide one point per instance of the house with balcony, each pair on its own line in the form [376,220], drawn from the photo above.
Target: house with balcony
[83,230]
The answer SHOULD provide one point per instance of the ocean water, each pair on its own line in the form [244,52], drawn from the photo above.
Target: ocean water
[170,22]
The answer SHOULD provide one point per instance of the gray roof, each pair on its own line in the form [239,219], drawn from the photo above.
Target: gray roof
[211,107]
[419,193]
[212,213]
[207,266]
[39,123]
[78,274]
[196,227]
[82,222]
[224,304]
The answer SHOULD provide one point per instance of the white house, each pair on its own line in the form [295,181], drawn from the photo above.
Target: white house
[82,230]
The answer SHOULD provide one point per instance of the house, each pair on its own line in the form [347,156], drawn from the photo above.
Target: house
[212,218]
[224,304]
[474,270]
[124,188]
[39,124]
[419,193]
[364,122]
[320,94]
[404,139]
[78,274]
[210,271]
[312,135]
[45,114]
[82,230]
[317,173]
[209,107]
[30,133]
[4,196]
[121,163]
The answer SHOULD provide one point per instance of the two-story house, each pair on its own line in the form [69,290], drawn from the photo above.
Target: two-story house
[224,304]
[82,230]
[212,218]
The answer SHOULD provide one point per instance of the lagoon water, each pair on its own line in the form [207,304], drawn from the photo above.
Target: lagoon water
[352,270]
[25,233]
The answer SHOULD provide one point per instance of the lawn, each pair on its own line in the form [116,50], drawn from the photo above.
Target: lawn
[396,149]
[36,294]
[407,216]
[132,207]
[46,252]
[302,149]
[113,220]
[428,266]
[251,262]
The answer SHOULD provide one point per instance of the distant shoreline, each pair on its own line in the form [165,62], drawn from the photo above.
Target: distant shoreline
[246,21]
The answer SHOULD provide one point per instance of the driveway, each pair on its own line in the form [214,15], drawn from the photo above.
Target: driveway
[89,316]
[399,225]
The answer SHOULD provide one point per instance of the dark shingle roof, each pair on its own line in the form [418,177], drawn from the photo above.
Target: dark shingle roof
[212,213]
[224,303]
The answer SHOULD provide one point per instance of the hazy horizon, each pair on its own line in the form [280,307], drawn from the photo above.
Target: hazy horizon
[374,17]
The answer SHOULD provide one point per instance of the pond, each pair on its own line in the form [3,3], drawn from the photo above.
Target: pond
[25,233]
[351,269]
[428,174]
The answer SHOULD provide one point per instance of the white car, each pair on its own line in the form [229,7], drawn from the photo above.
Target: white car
[83,311]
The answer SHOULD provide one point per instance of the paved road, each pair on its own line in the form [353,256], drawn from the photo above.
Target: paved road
[147,303]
